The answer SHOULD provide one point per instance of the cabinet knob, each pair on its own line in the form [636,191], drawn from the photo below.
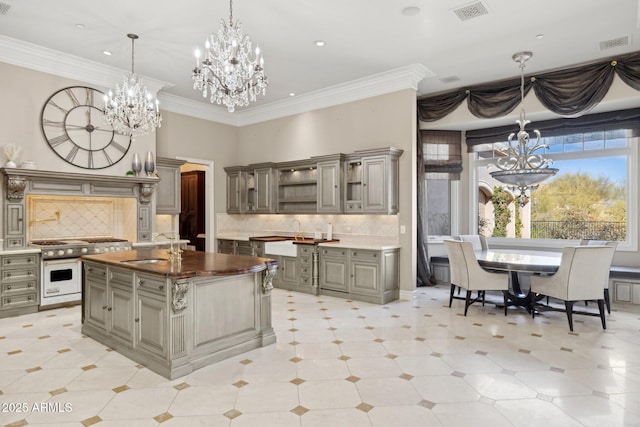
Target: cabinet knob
[355,253]
[89,269]
[8,300]
[137,319]
[104,307]
[9,287]
[29,298]
[140,282]
[8,261]
[8,274]
[109,309]
[30,285]
[161,287]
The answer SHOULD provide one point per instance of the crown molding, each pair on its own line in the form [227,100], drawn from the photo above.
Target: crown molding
[35,57]
[198,109]
[390,81]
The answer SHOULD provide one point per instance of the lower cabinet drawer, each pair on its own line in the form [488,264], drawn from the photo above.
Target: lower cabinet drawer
[151,284]
[18,274]
[15,301]
[365,255]
[334,252]
[19,260]
[18,287]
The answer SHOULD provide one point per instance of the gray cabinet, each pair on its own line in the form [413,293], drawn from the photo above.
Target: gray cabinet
[14,232]
[372,181]
[329,197]
[263,190]
[334,269]
[144,223]
[235,189]
[226,246]
[364,275]
[305,268]
[364,182]
[249,248]
[127,307]
[168,189]
[151,315]
[19,284]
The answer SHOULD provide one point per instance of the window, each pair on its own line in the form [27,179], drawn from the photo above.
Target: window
[591,197]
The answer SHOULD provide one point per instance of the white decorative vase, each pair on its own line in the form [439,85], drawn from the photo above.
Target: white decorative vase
[10,164]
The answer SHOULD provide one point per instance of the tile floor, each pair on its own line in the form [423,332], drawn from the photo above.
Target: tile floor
[340,363]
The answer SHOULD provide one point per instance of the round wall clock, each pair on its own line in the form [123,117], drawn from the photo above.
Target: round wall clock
[73,126]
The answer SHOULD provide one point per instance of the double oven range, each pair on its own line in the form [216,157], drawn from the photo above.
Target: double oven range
[61,273]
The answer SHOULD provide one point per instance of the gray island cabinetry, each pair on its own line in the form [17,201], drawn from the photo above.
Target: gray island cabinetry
[175,317]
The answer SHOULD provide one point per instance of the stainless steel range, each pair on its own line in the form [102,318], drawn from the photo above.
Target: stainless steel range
[62,268]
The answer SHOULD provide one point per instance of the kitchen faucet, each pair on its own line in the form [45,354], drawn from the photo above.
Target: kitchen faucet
[298,235]
[174,254]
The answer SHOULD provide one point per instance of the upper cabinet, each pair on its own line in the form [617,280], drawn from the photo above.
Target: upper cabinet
[372,178]
[364,182]
[168,192]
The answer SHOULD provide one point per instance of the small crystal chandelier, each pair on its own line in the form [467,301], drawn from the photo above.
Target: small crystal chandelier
[521,168]
[229,75]
[131,109]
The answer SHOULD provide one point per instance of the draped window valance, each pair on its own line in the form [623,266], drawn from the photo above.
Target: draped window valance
[623,119]
[566,92]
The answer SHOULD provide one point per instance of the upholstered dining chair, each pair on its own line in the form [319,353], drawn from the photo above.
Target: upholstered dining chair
[465,272]
[581,276]
[607,301]
[478,241]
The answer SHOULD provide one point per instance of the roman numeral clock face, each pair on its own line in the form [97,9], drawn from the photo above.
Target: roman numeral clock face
[73,126]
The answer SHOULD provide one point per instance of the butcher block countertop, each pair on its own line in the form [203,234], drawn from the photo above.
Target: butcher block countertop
[194,263]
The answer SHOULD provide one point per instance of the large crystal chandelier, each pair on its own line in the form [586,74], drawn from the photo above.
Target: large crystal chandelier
[521,168]
[230,74]
[131,109]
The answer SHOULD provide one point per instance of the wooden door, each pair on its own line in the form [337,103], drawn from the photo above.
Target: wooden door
[192,214]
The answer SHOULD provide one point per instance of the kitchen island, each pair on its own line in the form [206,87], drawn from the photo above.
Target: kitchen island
[177,316]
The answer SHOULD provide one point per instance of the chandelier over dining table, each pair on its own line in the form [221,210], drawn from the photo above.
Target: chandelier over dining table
[520,165]
[231,72]
[130,109]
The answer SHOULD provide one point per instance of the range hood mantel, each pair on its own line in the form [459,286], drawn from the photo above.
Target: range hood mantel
[35,181]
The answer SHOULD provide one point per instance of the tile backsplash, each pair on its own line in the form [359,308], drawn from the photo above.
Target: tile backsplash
[374,227]
[61,217]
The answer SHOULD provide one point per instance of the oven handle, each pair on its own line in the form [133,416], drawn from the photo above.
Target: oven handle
[54,262]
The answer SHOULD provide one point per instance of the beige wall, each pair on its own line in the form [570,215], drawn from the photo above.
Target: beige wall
[23,94]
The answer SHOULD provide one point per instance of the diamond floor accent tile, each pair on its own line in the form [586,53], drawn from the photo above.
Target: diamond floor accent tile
[344,358]
[297,381]
[181,386]
[364,407]
[232,414]
[20,423]
[44,337]
[300,410]
[427,404]
[352,379]
[406,377]
[89,367]
[240,383]
[163,417]
[246,361]
[91,421]
[121,388]
[295,359]
[64,350]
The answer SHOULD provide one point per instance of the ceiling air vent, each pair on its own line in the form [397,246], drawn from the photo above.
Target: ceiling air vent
[450,79]
[613,43]
[4,8]
[470,11]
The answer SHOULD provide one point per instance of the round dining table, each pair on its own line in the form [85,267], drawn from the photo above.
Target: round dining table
[515,261]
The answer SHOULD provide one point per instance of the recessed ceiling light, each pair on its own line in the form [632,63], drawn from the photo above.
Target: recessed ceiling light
[292,94]
[80,26]
[106,52]
[319,43]
[411,11]
[539,36]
